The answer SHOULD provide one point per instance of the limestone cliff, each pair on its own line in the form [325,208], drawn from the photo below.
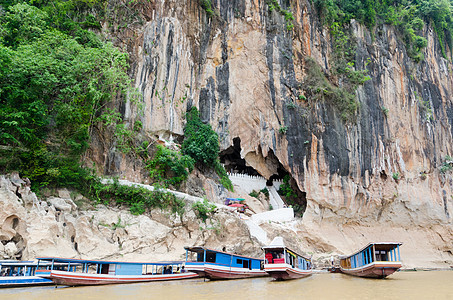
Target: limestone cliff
[376,177]
[242,69]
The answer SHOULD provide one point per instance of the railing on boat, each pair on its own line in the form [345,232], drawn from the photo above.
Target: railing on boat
[373,252]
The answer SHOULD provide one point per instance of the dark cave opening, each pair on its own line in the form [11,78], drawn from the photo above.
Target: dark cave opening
[231,159]
[289,190]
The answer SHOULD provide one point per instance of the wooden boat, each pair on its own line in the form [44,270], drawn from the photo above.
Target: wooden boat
[19,274]
[375,260]
[214,264]
[283,264]
[98,272]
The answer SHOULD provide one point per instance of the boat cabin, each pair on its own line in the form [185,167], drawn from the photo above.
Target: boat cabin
[112,267]
[203,255]
[17,268]
[282,255]
[373,252]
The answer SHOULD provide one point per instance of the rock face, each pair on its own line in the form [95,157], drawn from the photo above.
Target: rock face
[59,228]
[242,69]
[244,72]
[376,178]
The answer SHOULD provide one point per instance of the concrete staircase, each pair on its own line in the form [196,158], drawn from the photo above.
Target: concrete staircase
[274,198]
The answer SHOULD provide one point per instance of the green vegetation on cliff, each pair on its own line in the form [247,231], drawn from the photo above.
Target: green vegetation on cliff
[202,144]
[409,16]
[55,79]
[58,81]
[170,167]
[291,197]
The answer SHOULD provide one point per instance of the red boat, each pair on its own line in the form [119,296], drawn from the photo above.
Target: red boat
[98,272]
[375,260]
[283,264]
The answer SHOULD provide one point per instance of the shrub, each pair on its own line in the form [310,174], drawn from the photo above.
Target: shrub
[319,88]
[283,129]
[254,194]
[291,197]
[200,141]
[202,144]
[302,97]
[396,176]
[291,105]
[447,165]
[265,191]
[224,179]
[137,198]
[170,167]
[204,209]
[207,6]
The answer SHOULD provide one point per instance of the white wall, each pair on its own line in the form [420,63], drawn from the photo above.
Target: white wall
[277,215]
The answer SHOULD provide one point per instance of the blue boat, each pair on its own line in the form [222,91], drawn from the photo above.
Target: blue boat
[375,260]
[97,272]
[20,273]
[215,264]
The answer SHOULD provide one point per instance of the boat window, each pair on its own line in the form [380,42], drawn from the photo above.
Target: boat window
[210,256]
[105,269]
[245,264]
[239,261]
[200,257]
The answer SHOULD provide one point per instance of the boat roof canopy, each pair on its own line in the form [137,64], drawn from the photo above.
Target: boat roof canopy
[278,244]
[385,246]
[102,262]
[27,263]
[199,249]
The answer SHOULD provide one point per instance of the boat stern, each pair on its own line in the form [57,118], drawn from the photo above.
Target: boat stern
[196,267]
[284,271]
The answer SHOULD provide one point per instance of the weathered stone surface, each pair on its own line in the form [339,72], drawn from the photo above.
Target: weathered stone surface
[10,250]
[242,69]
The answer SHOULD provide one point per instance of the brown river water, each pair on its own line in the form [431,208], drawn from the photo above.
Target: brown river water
[401,285]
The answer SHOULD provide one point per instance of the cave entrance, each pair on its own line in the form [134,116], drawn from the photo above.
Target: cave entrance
[281,180]
[232,161]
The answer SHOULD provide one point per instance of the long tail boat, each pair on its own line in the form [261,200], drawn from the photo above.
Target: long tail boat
[283,263]
[99,272]
[215,265]
[375,260]
[20,274]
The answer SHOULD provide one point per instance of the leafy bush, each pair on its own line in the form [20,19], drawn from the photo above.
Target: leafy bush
[204,209]
[265,191]
[291,197]
[286,189]
[224,179]
[283,129]
[447,165]
[396,176]
[254,194]
[207,6]
[287,14]
[202,144]
[200,141]
[55,80]
[170,167]
[137,198]
[319,88]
